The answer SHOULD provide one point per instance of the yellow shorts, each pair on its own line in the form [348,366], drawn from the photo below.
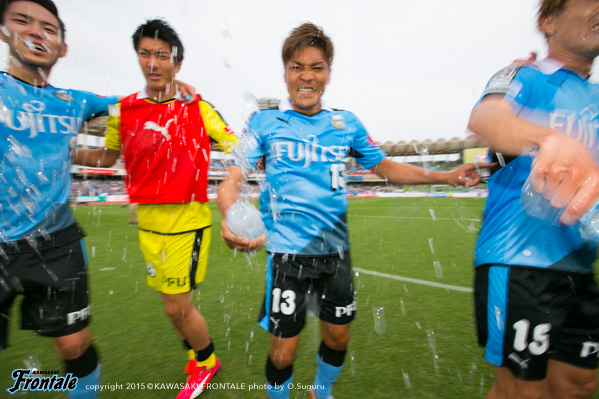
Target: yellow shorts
[175,262]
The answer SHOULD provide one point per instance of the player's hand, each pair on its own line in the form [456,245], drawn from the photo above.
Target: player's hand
[187,91]
[467,175]
[566,175]
[243,244]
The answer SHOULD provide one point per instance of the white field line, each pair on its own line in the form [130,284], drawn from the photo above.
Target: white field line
[415,281]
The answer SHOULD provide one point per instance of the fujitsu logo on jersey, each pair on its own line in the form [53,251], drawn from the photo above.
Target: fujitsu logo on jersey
[32,119]
[581,125]
[310,151]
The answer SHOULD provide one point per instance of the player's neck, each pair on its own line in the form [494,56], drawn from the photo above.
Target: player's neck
[33,76]
[580,65]
[164,94]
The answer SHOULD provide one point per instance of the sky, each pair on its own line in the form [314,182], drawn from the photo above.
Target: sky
[410,70]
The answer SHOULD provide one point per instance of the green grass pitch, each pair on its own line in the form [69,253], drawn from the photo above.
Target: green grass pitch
[428,350]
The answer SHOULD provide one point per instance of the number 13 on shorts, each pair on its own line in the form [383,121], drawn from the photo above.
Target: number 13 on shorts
[283,301]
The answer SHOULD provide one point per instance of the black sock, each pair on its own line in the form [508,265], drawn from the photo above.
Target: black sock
[85,364]
[275,376]
[205,353]
[331,356]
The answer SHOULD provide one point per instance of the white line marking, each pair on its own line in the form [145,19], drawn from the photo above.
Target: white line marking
[415,281]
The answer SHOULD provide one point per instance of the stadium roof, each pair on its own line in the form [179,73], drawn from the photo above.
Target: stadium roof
[454,145]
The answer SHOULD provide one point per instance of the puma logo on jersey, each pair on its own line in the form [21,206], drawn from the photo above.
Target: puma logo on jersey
[157,128]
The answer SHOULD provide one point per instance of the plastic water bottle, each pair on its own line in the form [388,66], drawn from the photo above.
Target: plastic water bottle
[244,220]
[589,224]
[537,206]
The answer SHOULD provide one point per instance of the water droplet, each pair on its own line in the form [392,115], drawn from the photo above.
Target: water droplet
[403,306]
[378,313]
[438,269]
[433,216]
[32,362]
[406,379]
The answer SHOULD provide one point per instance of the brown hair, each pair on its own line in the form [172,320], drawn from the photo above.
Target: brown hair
[307,35]
[549,7]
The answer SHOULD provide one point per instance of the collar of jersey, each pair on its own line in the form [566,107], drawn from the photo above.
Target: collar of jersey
[549,66]
[285,105]
[47,86]
[143,95]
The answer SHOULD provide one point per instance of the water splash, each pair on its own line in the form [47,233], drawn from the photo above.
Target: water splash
[406,379]
[378,313]
[433,215]
[432,345]
[32,362]
[430,244]
[438,269]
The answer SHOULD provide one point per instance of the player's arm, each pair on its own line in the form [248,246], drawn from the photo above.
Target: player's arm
[562,170]
[398,173]
[97,157]
[107,156]
[493,120]
[228,193]
[217,128]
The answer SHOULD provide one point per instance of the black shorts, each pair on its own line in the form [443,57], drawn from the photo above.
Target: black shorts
[53,281]
[293,283]
[526,316]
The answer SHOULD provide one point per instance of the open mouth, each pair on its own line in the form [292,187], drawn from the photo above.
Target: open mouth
[306,90]
[35,46]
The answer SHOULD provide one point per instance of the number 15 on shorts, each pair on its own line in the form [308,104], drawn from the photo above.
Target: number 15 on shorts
[540,336]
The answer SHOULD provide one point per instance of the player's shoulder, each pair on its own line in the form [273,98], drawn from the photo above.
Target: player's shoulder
[501,82]
[267,115]
[343,112]
[514,77]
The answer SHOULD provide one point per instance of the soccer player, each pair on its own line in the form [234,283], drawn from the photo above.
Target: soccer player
[302,145]
[536,299]
[41,247]
[166,147]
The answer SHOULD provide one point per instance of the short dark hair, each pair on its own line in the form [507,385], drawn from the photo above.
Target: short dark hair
[550,7]
[307,35]
[47,4]
[161,30]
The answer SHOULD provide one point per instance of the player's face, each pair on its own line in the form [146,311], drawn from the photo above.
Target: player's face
[33,36]
[307,73]
[575,31]
[157,63]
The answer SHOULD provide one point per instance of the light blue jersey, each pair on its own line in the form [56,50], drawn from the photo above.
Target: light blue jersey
[546,95]
[304,200]
[38,127]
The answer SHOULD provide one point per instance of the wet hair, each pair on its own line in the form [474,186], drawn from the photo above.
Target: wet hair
[307,35]
[550,7]
[47,4]
[160,30]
